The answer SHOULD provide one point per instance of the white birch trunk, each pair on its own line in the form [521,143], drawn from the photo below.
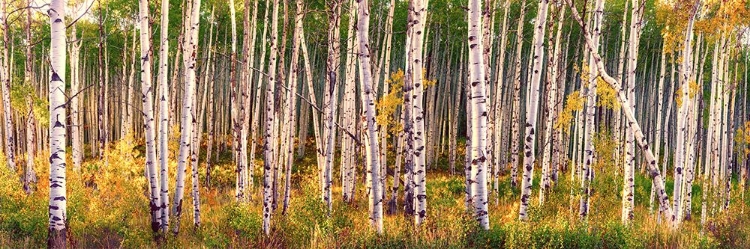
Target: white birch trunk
[58,217]
[5,82]
[514,134]
[269,125]
[368,104]
[164,111]
[187,107]
[418,172]
[478,116]
[532,106]
[629,164]
[147,95]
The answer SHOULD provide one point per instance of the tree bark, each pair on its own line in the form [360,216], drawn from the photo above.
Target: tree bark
[58,217]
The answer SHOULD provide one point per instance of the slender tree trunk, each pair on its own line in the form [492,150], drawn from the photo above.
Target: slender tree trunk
[292,101]
[187,106]
[5,75]
[418,178]
[514,135]
[148,117]
[331,97]
[532,106]
[629,165]
[58,218]
[368,104]
[478,116]
[164,113]
[269,126]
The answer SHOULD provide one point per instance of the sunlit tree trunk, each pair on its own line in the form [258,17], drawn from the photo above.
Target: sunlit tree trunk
[331,97]
[75,119]
[683,113]
[256,113]
[347,118]
[499,111]
[29,174]
[368,104]
[628,192]
[659,100]
[407,113]
[187,107]
[478,116]
[58,217]
[551,114]
[147,95]
[101,112]
[269,125]
[532,106]
[419,170]
[292,100]
[515,121]
[320,156]
[164,111]
[235,111]
[5,82]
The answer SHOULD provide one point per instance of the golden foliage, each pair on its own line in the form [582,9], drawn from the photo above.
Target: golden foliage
[388,104]
[606,95]
[573,103]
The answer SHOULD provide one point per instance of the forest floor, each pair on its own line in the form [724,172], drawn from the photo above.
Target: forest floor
[108,208]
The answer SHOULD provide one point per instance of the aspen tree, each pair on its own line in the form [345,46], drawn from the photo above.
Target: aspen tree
[478,116]
[187,107]
[419,7]
[164,114]
[331,97]
[532,106]
[407,113]
[5,82]
[269,127]
[514,135]
[235,109]
[29,174]
[148,116]
[75,118]
[682,116]
[101,108]
[368,104]
[629,164]
[499,85]
[58,218]
[617,128]
[550,113]
[258,90]
[316,123]
[291,101]
[247,88]
[348,107]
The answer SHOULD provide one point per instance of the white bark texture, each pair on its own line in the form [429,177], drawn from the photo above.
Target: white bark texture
[478,116]
[269,125]
[532,106]
[147,95]
[368,104]
[186,134]
[57,180]
[164,124]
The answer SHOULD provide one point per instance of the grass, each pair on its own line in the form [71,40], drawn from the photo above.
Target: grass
[108,208]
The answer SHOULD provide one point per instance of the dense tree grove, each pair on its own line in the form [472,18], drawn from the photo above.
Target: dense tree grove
[347,123]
